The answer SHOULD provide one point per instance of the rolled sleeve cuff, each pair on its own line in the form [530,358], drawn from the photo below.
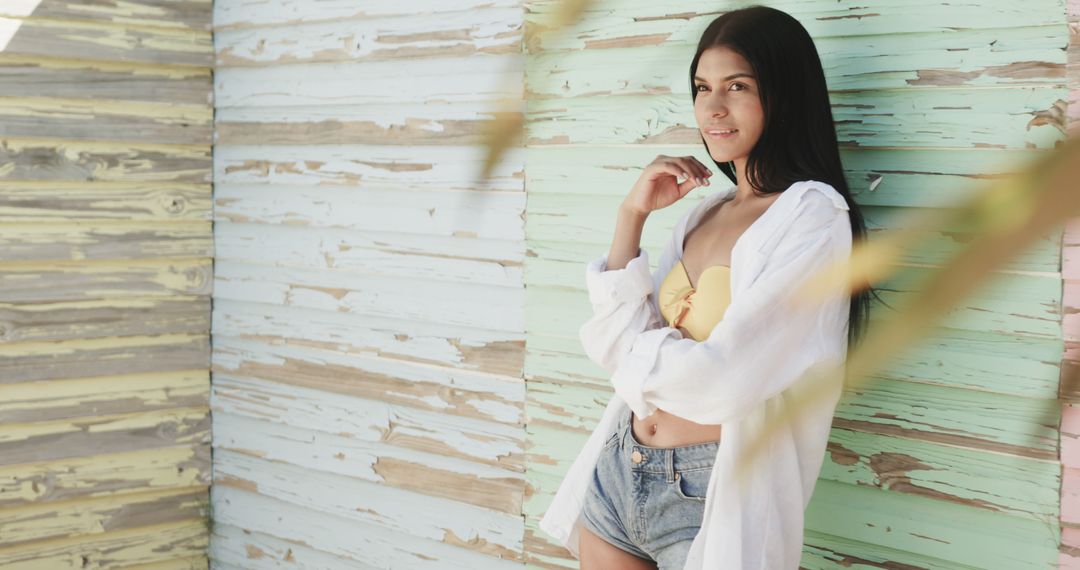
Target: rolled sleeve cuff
[619,285]
[629,378]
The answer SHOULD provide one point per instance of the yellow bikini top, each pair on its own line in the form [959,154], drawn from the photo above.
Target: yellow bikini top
[698,310]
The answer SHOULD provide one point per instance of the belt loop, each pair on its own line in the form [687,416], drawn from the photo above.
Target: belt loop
[670,465]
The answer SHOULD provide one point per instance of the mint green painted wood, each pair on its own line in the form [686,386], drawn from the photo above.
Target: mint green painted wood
[965,58]
[877,177]
[991,481]
[614,23]
[944,117]
[941,529]
[585,219]
[1014,305]
[949,459]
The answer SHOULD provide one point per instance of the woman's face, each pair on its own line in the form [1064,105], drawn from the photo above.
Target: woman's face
[727,98]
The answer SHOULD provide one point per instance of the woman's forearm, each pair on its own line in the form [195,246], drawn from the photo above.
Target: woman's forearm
[627,240]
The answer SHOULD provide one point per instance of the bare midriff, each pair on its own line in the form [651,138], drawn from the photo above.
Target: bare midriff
[662,429]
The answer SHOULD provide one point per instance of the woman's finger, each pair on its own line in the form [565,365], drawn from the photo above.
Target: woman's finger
[694,168]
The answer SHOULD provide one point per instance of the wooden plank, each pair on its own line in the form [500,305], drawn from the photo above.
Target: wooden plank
[40,524]
[434,123]
[934,535]
[1014,56]
[35,201]
[1015,365]
[106,80]
[373,421]
[370,545]
[85,477]
[112,433]
[189,563]
[927,178]
[240,14]
[900,462]
[453,391]
[628,23]
[942,118]
[913,177]
[963,418]
[494,488]
[143,545]
[81,281]
[475,349]
[32,361]
[180,14]
[350,501]
[97,318]
[430,34]
[448,213]
[1023,304]
[1009,304]
[118,121]
[361,82]
[576,227]
[388,168]
[80,168]
[54,400]
[433,253]
[38,241]
[234,548]
[998,429]
[938,529]
[476,305]
[823,551]
[90,40]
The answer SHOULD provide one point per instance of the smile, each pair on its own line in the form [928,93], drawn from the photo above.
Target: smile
[721,134]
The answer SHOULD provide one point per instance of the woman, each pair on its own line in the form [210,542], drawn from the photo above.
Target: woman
[708,349]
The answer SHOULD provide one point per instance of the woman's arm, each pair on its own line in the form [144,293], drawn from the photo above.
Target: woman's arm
[624,299]
[766,341]
[627,240]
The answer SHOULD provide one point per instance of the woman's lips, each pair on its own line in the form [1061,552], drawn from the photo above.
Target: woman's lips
[719,135]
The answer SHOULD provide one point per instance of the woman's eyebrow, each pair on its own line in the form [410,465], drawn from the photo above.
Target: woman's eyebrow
[728,78]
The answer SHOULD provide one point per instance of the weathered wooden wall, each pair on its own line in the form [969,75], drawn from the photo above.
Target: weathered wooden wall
[368,401]
[950,459]
[105,272]
[1070,390]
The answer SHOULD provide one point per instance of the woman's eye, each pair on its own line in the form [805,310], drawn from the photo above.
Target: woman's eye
[742,87]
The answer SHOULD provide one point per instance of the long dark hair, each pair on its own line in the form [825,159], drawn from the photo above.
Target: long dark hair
[798,141]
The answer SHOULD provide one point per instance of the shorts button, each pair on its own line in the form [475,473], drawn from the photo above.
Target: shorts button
[636,456]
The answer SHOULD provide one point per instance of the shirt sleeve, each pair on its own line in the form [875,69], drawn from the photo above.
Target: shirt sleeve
[624,301]
[766,341]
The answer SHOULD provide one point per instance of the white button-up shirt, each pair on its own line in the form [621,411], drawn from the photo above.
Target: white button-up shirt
[741,377]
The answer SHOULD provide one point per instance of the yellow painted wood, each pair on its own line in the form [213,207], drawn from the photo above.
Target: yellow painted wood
[106,258]
[127,472]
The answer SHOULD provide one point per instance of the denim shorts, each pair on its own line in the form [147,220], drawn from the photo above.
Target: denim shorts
[649,501]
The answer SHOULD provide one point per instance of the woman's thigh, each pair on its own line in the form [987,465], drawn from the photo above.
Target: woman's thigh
[597,554]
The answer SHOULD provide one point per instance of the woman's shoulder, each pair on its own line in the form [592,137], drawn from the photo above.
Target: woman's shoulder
[820,193]
[813,207]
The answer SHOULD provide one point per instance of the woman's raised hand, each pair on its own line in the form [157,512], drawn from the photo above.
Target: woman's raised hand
[658,186]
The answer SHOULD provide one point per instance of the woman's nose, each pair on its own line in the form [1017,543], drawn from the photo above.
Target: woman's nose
[716,109]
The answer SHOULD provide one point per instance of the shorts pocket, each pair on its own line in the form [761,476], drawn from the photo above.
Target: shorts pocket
[692,484]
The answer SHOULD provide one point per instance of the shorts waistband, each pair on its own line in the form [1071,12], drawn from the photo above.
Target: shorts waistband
[664,459]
